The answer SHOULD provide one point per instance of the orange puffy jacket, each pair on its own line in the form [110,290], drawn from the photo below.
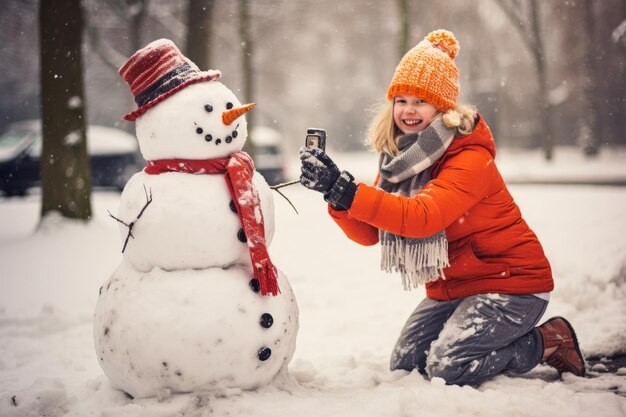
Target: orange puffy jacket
[490,246]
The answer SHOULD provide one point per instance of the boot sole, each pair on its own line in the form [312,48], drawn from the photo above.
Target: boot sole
[571,329]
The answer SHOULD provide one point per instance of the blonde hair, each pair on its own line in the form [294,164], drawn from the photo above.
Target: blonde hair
[383,132]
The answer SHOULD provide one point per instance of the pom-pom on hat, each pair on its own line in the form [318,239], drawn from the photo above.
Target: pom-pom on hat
[157,71]
[428,71]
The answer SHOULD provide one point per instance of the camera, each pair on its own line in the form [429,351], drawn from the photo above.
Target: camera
[315,138]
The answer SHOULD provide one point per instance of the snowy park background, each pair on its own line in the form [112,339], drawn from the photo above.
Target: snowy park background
[325,63]
[350,312]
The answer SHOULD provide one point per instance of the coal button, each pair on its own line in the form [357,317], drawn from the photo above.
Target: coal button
[233,208]
[241,235]
[266,320]
[255,285]
[264,353]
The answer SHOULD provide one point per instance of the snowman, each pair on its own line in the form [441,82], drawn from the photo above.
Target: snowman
[196,302]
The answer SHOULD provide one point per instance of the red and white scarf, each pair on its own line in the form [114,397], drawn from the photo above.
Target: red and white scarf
[238,170]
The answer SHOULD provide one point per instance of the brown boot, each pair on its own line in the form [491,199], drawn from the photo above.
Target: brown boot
[557,332]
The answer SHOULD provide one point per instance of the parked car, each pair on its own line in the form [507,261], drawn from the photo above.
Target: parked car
[268,155]
[113,154]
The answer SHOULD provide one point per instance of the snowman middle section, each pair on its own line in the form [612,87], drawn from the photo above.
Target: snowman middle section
[192,222]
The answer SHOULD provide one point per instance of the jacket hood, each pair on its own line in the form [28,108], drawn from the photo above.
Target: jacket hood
[481,136]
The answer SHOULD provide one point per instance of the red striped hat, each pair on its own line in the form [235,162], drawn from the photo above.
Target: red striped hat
[157,71]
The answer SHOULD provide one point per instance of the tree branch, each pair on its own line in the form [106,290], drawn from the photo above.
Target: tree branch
[109,55]
[515,16]
[131,225]
[277,188]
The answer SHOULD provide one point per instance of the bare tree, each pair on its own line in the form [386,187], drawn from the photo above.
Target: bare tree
[111,55]
[198,47]
[405,35]
[525,16]
[247,67]
[139,11]
[65,174]
[589,128]
[618,35]
[19,65]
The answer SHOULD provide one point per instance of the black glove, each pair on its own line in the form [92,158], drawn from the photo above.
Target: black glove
[319,173]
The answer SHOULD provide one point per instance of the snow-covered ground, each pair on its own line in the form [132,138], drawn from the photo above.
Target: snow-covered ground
[350,312]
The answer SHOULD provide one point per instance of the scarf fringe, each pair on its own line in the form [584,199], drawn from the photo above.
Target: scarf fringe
[419,260]
[267,274]
[418,263]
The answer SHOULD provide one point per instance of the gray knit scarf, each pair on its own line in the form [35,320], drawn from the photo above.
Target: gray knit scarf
[419,260]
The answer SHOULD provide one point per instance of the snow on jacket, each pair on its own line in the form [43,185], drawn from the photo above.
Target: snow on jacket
[490,246]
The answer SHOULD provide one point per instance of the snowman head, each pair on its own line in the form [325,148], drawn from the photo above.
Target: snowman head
[183,113]
[202,121]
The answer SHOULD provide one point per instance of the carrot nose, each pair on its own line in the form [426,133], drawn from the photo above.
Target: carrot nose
[231,115]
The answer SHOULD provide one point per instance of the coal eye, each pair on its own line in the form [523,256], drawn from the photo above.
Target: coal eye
[229,105]
[208,108]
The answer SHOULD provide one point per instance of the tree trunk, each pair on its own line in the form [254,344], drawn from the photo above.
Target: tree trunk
[547,137]
[403,41]
[247,68]
[588,128]
[138,10]
[65,174]
[198,47]
[530,33]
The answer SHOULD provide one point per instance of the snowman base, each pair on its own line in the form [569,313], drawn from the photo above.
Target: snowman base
[188,329]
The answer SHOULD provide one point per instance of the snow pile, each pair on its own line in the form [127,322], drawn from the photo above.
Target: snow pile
[569,165]
[46,397]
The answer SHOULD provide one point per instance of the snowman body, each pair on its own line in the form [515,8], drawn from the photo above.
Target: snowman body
[191,223]
[184,311]
[189,329]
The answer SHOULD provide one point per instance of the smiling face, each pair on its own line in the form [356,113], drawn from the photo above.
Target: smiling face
[191,125]
[411,114]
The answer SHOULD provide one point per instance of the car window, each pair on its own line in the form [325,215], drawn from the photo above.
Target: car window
[266,150]
[35,149]
[11,139]
[101,140]
[13,143]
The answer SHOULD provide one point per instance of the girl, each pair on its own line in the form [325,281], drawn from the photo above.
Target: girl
[445,218]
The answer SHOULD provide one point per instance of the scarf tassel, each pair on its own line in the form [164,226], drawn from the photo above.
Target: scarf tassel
[419,260]
[418,263]
[267,274]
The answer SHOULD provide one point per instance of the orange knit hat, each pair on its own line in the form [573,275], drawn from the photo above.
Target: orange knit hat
[428,72]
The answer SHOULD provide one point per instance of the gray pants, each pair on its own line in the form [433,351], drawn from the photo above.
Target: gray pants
[469,340]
